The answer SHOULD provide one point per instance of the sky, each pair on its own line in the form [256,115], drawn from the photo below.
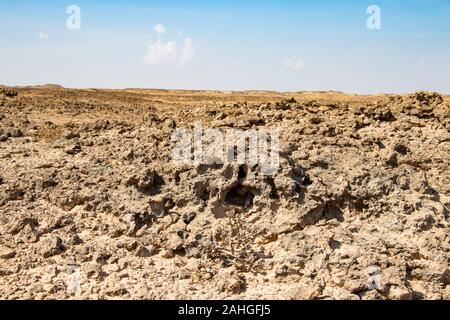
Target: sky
[283,45]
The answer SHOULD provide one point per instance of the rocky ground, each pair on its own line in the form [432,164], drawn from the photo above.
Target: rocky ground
[91,206]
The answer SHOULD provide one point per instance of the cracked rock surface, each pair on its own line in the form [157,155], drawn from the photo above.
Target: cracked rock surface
[92,207]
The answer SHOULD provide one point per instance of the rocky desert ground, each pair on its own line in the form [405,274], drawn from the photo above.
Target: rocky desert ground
[92,207]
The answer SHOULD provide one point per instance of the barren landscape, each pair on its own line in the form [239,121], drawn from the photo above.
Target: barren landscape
[92,207]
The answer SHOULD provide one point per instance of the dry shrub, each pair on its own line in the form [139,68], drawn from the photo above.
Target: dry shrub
[10,93]
[232,244]
[49,133]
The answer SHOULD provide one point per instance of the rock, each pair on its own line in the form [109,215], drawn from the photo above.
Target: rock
[117,290]
[290,100]
[371,295]
[51,246]
[73,149]
[234,284]
[189,217]
[14,194]
[400,293]
[73,239]
[111,268]
[69,135]
[101,256]
[446,295]
[193,265]
[170,124]
[145,251]
[128,155]
[373,270]
[6,253]
[92,269]
[305,292]
[355,286]
[46,182]
[7,92]
[149,181]
[15,133]
[174,242]
[29,234]
[184,274]
[391,158]
[167,254]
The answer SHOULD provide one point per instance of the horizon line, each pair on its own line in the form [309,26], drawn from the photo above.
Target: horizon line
[58,86]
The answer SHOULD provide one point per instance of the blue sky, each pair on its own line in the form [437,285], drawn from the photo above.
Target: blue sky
[228,45]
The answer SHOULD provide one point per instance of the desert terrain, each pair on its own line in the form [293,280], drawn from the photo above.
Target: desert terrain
[92,207]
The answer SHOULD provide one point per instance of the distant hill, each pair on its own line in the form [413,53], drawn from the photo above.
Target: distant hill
[47,86]
[41,86]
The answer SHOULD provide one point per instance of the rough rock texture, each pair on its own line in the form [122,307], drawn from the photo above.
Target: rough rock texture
[91,205]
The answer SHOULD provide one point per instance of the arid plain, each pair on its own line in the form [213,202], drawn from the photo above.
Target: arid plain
[92,207]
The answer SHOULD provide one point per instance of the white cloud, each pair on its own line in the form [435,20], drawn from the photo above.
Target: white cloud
[169,52]
[160,29]
[295,63]
[44,36]
[188,53]
[159,52]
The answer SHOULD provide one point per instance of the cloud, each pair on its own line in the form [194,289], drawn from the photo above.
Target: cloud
[160,29]
[160,53]
[188,53]
[169,53]
[44,36]
[295,63]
